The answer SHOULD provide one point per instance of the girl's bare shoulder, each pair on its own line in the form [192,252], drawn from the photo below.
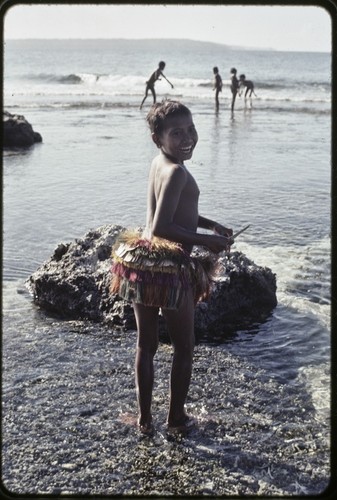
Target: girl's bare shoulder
[163,171]
[163,162]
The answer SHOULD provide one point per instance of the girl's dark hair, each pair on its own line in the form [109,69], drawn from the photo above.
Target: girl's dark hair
[163,110]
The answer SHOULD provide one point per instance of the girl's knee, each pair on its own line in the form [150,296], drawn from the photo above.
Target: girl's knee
[147,340]
[183,345]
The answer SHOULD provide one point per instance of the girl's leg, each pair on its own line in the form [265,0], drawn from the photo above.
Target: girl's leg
[147,344]
[181,329]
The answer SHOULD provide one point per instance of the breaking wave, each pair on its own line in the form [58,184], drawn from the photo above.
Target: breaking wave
[99,79]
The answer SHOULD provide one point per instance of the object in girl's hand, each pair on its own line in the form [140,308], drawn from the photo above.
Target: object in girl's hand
[239,232]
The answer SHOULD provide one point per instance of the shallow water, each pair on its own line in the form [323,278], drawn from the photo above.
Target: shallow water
[46,202]
[268,166]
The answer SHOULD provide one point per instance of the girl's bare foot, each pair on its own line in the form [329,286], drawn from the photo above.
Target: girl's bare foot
[146,430]
[183,425]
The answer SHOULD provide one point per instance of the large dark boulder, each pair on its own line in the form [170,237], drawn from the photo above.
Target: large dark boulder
[74,283]
[17,132]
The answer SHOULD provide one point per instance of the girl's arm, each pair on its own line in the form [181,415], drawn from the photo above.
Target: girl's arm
[205,223]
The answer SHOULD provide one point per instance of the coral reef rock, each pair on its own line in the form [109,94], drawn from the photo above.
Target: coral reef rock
[17,132]
[74,284]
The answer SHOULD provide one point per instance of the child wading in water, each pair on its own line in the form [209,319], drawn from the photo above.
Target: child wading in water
[234,87]
[153,78]
[155,269]
[248,84]
[217,85]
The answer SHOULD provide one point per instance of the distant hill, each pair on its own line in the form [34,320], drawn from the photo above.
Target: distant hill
[164,43]
[174,42]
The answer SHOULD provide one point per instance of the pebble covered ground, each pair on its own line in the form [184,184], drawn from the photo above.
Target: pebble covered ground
[69,403]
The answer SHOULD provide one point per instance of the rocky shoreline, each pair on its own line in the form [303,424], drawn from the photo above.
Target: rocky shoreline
[69,403]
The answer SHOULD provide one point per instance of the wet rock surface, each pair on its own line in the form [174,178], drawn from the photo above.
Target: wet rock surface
[69,402]
[18,132]
[74,283]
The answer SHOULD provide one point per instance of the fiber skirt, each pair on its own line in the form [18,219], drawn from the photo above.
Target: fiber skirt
[158,272]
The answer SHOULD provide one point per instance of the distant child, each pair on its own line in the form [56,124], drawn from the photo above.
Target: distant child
[155,270]
[217,85]
[153,78]
[234,87]
[248,84]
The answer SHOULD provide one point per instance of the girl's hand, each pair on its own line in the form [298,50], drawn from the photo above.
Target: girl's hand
[220,243]
[222,230]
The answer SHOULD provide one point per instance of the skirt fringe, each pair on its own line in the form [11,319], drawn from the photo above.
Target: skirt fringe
[158,272]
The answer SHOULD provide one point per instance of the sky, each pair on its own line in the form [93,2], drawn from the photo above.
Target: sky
[272,26]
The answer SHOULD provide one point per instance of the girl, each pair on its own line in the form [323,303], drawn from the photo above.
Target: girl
[155,269]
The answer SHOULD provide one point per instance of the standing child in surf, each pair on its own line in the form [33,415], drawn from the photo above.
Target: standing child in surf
[155,269]
[217,85]
[234,87]
[153,78]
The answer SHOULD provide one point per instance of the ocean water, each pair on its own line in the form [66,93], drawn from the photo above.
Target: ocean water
[268,165]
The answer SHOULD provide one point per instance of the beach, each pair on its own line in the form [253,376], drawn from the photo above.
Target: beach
[68,421]
[262,395]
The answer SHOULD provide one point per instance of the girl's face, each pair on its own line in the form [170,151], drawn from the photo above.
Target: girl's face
[178,138]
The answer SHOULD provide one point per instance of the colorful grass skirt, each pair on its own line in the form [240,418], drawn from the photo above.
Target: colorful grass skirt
[158,272]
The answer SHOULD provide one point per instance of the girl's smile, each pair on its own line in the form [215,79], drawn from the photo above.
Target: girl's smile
[179,137]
